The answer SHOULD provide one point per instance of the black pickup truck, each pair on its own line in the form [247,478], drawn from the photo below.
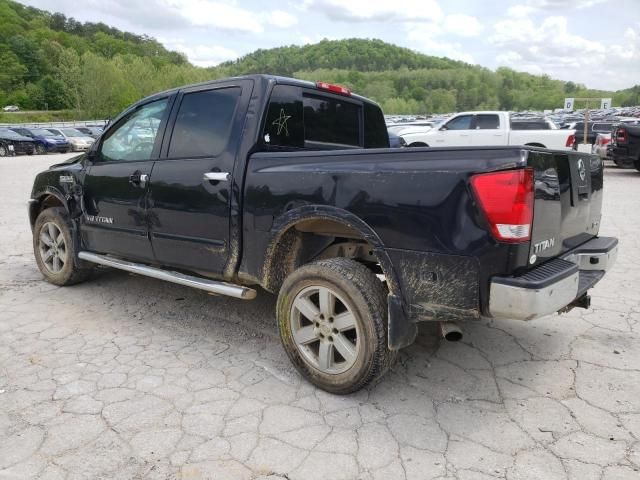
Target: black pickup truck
[290,186]
[625,146]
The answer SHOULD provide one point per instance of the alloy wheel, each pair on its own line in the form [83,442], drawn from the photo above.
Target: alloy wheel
[325,329]
[52,247]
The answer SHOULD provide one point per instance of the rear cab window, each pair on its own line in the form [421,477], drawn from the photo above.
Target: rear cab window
[304,118]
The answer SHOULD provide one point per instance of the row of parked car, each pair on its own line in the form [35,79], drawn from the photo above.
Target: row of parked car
[484,128]
[29,141]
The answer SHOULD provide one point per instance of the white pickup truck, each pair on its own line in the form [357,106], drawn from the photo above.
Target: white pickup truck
[486,129]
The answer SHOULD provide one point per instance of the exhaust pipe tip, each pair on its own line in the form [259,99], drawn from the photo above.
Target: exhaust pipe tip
[450,331]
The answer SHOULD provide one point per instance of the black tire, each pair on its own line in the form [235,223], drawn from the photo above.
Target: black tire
[4,151]
[69,273]
[366,297]
[418,144]
[41,149]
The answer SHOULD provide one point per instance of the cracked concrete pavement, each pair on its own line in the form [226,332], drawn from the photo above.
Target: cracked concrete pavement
[130,377]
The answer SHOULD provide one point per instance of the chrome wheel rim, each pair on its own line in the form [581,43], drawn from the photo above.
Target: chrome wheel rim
[325,330]
[53,248]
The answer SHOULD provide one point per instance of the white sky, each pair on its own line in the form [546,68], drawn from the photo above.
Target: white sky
[593,42]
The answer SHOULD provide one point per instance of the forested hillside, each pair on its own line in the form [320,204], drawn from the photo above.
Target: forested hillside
[404,81]
[50,61]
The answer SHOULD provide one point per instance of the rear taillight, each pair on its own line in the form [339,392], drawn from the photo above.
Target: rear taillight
[622,136]
[506,199]
[571,139]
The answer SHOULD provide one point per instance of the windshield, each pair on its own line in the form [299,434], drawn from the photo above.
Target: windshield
[72,132]
[43,133]
[21,131]
[5,132]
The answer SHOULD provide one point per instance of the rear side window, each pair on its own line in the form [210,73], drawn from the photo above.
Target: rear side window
[487,122]
[203,123]
[331,122]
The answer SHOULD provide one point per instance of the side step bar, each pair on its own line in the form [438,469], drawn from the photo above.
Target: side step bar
[212,286]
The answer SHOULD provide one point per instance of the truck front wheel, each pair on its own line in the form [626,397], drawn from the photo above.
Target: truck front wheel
[332,317]
[53,247]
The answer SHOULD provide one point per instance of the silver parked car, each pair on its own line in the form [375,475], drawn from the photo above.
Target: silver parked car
[79,141]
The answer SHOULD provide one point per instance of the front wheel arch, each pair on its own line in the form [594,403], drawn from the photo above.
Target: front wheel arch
[534,144]
[47,199]
[418,144]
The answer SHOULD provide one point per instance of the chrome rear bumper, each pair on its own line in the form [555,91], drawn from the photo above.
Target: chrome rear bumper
[553,285]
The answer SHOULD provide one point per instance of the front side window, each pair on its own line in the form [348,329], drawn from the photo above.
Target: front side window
[134,138]
[460,123]
[487,122]
[203,125]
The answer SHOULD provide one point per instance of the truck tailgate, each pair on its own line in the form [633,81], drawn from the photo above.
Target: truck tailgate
[568,202]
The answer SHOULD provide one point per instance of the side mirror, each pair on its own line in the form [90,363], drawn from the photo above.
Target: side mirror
[92,154]
[443,128]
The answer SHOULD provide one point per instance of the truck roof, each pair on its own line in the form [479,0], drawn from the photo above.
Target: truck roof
[258,77]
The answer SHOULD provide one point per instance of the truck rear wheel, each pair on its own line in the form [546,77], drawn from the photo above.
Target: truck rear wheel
[53,248]
[332,317]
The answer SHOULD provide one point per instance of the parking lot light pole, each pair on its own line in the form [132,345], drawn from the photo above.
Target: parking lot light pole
[586,114]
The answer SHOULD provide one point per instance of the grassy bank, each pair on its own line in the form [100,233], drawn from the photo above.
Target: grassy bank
[42,116]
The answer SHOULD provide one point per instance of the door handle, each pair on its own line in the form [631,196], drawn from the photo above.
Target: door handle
[139,179]
[216,176]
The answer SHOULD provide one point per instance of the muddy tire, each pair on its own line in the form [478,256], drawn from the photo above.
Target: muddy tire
[54,248]
[332,318]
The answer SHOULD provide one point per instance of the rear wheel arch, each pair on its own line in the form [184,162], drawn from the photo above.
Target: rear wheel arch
[418,144]
[319,226]
[534,144]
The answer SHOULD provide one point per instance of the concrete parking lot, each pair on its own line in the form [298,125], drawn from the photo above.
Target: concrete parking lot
[129,377]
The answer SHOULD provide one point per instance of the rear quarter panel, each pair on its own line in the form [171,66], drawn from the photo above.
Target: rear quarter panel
[552,139]
[416,201]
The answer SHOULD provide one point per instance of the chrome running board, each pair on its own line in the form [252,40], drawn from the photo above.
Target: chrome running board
[212,286]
